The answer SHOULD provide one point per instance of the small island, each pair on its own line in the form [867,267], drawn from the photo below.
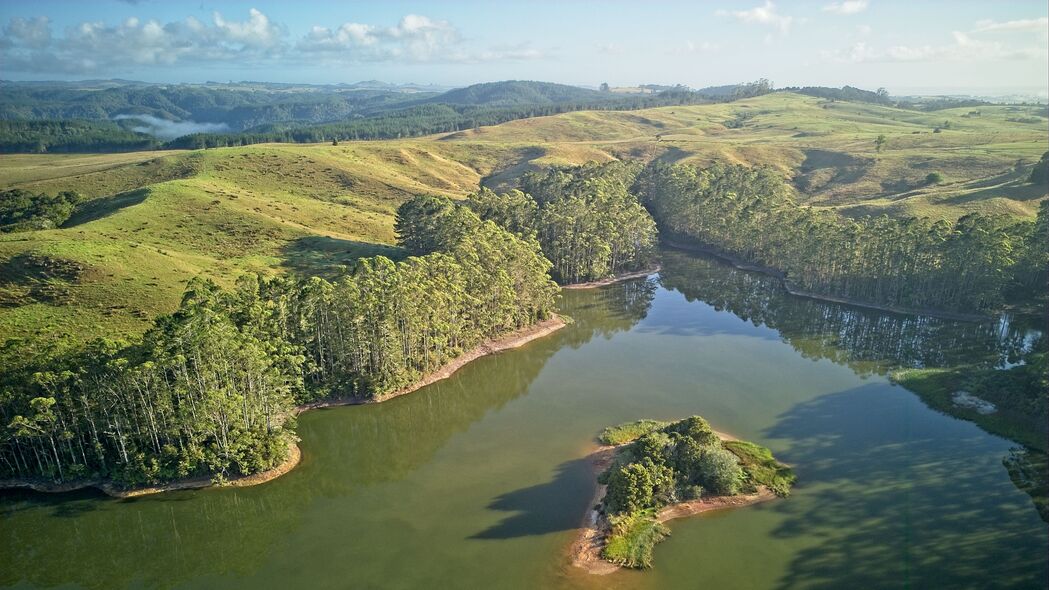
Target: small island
[650,472]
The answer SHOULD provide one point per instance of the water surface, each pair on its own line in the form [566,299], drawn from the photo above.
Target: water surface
[479,481]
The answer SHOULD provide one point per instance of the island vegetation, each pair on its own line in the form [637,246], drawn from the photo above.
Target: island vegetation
[663,470]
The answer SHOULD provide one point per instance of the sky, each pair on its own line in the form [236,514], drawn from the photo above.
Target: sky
[1000,46]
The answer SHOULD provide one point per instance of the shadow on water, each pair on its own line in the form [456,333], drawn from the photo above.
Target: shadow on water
[894,504]
[866,341]
[542,509]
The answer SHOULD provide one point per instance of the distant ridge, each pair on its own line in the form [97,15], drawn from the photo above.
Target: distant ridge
[518,92]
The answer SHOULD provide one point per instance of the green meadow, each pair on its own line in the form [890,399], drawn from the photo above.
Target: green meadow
[154,220]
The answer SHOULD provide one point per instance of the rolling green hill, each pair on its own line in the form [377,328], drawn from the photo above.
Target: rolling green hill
[153,220]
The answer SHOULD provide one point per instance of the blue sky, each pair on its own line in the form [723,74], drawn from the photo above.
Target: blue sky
[901,45]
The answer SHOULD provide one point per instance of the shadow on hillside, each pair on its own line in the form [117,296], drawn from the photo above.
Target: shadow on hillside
[895,500]
[329,257]
[557,505]
[673,155]
[96,209]
[1017,190]
[507,177]
[840,168]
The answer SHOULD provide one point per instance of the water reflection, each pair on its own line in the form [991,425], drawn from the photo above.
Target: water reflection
[879,479]
[88,540]
[869,342]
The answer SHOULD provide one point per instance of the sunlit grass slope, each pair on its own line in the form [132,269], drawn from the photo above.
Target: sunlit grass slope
[828,148]
[157,219]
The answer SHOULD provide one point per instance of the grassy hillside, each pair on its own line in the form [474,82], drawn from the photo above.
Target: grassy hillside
[828,148]
[156,219]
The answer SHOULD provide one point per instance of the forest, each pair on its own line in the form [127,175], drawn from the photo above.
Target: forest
[588,223]
[210,389]
[660,463]
[974,265]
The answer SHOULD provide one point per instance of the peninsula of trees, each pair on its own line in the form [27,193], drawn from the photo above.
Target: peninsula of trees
[662,470]
[209,389]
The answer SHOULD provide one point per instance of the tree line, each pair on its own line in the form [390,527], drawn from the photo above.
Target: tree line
[209,389]
[587,221]
[974,265]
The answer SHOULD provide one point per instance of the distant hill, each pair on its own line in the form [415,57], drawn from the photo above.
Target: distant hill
[519,92]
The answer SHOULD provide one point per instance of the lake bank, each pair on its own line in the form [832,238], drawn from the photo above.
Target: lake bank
[510,341]
[793,290]
[614,279]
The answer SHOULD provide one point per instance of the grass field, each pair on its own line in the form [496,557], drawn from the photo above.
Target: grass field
[157,219]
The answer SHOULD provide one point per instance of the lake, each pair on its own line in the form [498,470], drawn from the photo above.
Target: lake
[480,481]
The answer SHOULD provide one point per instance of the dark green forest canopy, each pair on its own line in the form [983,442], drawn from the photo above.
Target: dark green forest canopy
[586,221]
[977,264]
[208,390]
[589,224]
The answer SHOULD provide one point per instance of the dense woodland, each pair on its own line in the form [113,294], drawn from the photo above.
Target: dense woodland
[35,137]
[209,390]
[589,225]
[973,265]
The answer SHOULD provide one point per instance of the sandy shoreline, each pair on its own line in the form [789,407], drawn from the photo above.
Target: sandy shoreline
[793,290]
[585,551]
[512,340]
[616,279]
[192,483]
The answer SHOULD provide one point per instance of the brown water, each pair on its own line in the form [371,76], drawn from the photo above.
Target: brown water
[478,481]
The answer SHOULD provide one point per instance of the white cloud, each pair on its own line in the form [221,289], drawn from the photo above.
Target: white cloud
[28,32]
[964,48]
[257,31]
[165,129]
[95,46]
[863,30]
[27,45]
[765,15]
[847,6]
[415,38]
[1031,24]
